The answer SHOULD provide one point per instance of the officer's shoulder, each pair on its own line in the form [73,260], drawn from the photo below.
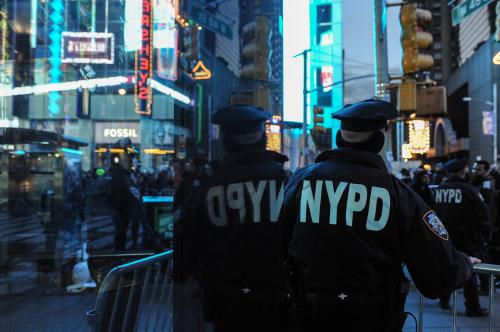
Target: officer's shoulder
[469,186]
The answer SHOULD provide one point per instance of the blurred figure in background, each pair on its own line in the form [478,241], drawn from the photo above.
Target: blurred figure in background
[482,180]
[438,174]
[405,176]
[420,185]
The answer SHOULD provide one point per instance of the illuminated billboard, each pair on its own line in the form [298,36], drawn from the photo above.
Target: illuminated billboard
[165,37]
[314,25]
[165,34]
[88,47]
[326,59]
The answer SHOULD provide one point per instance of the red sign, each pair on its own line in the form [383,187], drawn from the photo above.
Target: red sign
[143,95]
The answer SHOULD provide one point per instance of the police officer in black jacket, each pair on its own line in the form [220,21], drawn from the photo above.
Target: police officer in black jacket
[352,225]
[229,236]
[464,213]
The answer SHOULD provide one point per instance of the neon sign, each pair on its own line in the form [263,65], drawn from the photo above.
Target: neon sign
[273,134]
[200,72]
[143,93]
[56,21]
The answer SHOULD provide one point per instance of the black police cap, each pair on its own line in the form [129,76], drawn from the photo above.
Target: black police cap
[455,165]
[366,115]
[240,119]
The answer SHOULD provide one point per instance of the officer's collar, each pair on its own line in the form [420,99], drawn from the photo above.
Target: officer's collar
[455,178]
[353,156]
[253,156]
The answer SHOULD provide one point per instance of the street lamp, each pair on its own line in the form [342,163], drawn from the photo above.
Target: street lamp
[469,99]
[494,111]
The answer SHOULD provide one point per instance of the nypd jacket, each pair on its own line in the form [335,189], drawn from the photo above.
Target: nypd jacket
[351,224]
[229,235]
[464,213]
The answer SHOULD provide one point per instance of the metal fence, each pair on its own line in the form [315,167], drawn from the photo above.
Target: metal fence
[136,296]
[491,271]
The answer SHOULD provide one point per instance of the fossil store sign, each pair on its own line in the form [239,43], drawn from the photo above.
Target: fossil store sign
[110,132]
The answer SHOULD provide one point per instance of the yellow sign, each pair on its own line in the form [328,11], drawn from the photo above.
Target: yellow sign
[273,133]
[496,59]
[420,136]
[200,72]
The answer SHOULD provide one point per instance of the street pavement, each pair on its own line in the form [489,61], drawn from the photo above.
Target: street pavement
[58,312]
[436,319]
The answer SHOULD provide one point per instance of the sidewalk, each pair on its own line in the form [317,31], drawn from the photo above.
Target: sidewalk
[439,320]
[41,312]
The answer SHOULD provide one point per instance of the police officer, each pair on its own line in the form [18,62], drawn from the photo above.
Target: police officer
[229,236]
[464,213]
[352,225]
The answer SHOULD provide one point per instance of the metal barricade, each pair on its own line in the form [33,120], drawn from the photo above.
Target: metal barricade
[489,269]
[136,296]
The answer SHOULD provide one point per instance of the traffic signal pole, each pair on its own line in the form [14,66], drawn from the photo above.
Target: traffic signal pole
[305,151]
[381,63]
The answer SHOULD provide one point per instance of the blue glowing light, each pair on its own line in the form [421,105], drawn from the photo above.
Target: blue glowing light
[56,18]
[72,151]
[19,153]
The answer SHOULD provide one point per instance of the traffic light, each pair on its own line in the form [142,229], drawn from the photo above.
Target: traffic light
[318,119]
[255,51]
[190,43]
[414,38]
[407,96]
[262,97]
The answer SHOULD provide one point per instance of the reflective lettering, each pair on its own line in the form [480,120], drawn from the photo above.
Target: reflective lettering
[458,196]
[353,204]
[307,199]
[334,198]
[218,218]
[275,200]
[378,194]
[256,197]
[236,199]
[438,196]
[451,195]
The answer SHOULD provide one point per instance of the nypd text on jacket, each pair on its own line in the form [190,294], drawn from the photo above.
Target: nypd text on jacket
[374,201]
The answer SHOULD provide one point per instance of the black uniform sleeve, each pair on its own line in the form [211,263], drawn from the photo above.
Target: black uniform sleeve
[435,266]
[187,232]
[480,209]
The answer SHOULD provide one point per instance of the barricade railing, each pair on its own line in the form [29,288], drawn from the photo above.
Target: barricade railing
[489,269]
[136,296]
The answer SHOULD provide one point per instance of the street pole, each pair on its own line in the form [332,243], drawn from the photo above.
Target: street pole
[380,47]
[305,92]
[382,65]
[495,125]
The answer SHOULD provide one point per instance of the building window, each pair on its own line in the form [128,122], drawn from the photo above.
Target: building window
[209,40]
[324,32]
